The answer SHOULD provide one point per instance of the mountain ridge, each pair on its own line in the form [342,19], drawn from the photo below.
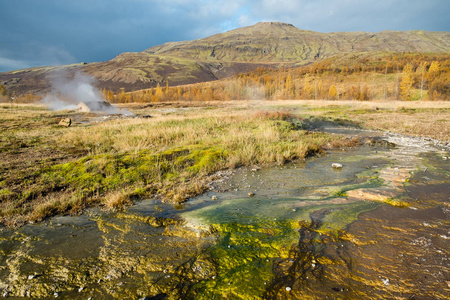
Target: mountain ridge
[282,42]
[269,44]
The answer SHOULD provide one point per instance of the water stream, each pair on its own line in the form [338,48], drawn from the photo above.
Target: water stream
[376,228]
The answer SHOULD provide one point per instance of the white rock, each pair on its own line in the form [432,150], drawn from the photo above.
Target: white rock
[288,288]
[336,166]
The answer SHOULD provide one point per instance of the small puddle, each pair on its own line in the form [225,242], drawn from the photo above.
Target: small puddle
[376,228]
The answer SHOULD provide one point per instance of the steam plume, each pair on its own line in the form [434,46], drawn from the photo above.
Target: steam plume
[68,93]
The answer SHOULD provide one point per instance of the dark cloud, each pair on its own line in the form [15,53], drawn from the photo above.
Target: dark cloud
[50,32]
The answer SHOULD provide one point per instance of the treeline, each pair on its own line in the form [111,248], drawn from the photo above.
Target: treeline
[7,96]
[363,76]
[396,76]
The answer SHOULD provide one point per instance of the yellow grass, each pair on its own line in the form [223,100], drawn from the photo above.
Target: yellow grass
[47,169]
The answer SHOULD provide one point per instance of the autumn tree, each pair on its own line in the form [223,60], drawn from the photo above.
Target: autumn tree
[158,94]
[407,82]
[433,71]
[421,72]
[332,92]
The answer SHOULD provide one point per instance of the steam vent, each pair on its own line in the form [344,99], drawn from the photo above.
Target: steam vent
[94,106]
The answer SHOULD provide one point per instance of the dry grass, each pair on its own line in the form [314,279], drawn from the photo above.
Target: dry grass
[117,200]
[47,169]
[114,162]
[420,118]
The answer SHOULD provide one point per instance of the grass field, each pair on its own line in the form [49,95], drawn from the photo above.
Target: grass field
[48,169]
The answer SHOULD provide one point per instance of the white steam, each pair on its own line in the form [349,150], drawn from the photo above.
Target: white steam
[67,93]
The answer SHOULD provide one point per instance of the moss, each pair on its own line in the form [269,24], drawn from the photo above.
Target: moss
[5,192]
[203,159]
[397,202]
[98,174]
[244,257]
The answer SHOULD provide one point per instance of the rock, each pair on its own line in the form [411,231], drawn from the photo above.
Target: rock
[251,194]
[288,288]
[336,166]
[32,276]
[214,198]
[65,122]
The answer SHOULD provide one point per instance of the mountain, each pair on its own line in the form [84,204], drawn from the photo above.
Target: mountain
[240,50]
[281,42]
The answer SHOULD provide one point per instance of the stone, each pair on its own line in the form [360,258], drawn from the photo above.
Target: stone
[32,276]
[288,288]
[336,166]
[214,198]
[66,122]
[251,194]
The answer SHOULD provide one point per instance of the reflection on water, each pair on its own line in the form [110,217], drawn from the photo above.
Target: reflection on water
[377,228]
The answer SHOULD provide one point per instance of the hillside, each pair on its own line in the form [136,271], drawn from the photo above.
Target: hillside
[353,76]
[269,44]
[281,42]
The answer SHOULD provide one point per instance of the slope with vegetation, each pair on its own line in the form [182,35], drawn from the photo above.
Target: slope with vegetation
[270,45]
[358,76]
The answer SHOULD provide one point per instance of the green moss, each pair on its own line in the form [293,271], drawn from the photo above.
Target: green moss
[5,192]
[98,174]
[397,202]
[244,257]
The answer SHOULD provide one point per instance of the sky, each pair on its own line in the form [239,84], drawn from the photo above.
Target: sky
[55,32]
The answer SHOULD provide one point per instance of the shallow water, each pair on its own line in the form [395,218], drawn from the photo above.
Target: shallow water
[377,228]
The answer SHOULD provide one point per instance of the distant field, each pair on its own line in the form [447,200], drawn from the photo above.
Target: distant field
[418,118]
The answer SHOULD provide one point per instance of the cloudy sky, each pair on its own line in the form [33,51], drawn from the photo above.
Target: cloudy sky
[52,32]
